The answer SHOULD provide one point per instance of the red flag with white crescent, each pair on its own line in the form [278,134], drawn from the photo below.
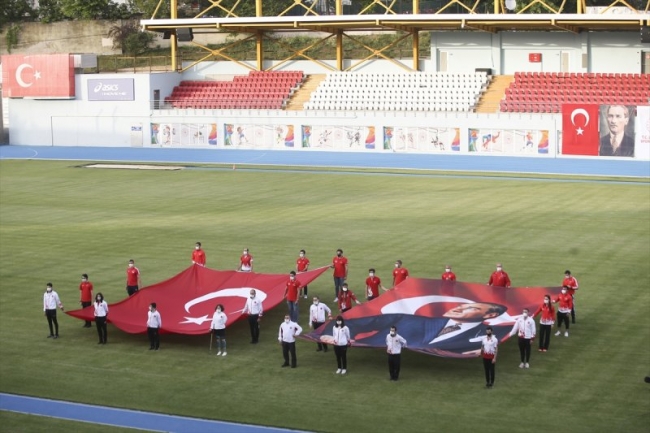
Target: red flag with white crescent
[186,302]
[580,129]
[38,76]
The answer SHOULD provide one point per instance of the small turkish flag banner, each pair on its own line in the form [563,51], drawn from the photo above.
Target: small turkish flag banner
[38,76]
[580,129]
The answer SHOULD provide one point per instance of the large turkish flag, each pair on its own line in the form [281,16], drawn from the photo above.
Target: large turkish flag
[580,129]
[38,76]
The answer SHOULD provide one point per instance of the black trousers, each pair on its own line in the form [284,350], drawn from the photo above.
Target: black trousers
[524,349]
[488,366]
[304,290]
[255,327]
[102,330]
[341,353]
[131,290]
[154,337]
[394,364]
[289,348]
[84,305]
[544,336]
[573,310]
[321,346]
[51,320]
[562,318]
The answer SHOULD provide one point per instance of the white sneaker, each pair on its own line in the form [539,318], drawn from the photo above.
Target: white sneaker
[521,365]
[305,296]
[338,371]
[566,334]
[558,333]
[335,300]
[223,354]
[219,353]
[527,365]
[343,371]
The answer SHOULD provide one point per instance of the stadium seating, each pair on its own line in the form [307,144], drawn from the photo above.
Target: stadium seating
[415,91]
[539,92]
[257,90]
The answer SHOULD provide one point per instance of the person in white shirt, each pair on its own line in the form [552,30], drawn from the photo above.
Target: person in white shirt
[394,345]
[50,302]
[154,323]
[218,327]
[341,340]
[254,309]
[525,329]
[317,315]
[287,338]
[489,345]
[101,311]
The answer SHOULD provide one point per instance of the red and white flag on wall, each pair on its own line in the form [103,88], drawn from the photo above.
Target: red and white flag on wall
[38,76]
[580,129]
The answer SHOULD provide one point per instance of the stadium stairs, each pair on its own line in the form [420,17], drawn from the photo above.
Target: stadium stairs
[302,95]
[494,93]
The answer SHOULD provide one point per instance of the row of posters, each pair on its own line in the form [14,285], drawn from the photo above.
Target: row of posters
[323,137]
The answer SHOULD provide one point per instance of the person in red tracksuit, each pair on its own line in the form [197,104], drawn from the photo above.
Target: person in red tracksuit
[346,297]
[448,274]
[198,255]
[563,310]
[499,278]
[572,286]
[86,289]
[545,323]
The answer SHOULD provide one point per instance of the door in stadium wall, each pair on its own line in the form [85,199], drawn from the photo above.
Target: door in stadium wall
[645,62]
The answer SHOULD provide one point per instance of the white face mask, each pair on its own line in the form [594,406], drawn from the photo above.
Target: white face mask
[131,265]
[293,277]
[345,289]
[392,334]
[525,314]
[49,290]
[218,310]
[563,291]
[546,301]
[252,295]
[499,269]
[397,265]
[315,302]
[286,320]
[372,274]
[447,269]
[339,323]
[302,255]
[245,253]
[197,247]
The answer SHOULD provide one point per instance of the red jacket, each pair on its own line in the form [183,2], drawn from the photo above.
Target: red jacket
[346,299]
[566,302]
[548,313]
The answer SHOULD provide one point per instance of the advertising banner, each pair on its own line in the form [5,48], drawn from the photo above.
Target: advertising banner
[421,139]
[111,89]
[338,137]
[183,134]
[508,141]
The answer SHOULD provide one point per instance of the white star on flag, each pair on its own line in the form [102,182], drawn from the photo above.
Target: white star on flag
[37,75]
[196,320]
[580,131]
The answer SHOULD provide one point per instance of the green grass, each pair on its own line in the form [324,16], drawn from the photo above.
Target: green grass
[58,221]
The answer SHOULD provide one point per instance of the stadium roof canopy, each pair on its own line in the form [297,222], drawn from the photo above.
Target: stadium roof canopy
[492,23]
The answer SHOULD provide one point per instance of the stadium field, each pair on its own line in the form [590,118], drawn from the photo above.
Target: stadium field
[58,220]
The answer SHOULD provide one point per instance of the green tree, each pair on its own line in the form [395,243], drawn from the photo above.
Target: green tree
[83,9]
[128,37]
[147,8]
[14,11]
[49,11]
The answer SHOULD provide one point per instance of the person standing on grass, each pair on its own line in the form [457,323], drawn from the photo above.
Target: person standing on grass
[399,273]
[499,278]
[341,340]
[133,281]
[448,275]
[101,312]
[154,323]
[545,322]
[489,345]
[571,284]
[525,329]
[302,265]
[373,283]
[86,290]
[563,310]
[287,338]
[291,295]
[50,301]
[346,297]
[340,265]
[198,255]
[245,262]
[254,309]
[394,345]
[317,313]
[218,328]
